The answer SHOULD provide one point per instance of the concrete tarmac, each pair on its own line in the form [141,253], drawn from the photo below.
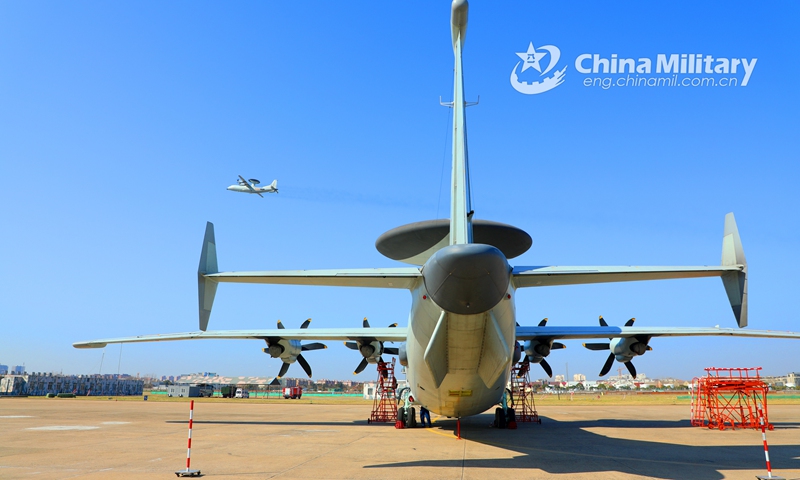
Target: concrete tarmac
[106,439]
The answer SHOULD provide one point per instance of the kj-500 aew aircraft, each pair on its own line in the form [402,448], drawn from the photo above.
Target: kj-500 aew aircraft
[250,186]
[462,336]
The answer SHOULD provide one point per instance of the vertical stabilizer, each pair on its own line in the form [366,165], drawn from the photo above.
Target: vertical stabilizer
[735,282]
[460,197]
[207,288]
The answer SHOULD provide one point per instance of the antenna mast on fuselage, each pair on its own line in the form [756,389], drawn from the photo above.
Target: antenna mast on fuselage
[460,196]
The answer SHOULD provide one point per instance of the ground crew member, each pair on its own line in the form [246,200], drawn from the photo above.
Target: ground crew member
[424,414]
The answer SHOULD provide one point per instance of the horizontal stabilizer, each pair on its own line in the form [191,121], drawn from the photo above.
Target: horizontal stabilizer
[735,282]
[206,287]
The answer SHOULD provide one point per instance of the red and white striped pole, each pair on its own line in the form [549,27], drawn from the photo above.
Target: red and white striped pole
[188,472]
[766,449]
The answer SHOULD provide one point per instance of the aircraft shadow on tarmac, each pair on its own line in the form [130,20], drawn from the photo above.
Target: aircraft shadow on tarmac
[567,447]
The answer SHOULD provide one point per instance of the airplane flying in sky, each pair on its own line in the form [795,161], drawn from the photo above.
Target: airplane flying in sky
[462,335]
[249,186]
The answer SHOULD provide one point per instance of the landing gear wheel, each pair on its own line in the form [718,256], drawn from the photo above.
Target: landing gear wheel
[401,415]
[499,418]
[411,421]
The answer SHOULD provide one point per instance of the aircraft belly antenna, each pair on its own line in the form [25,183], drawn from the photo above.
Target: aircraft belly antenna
[460,196]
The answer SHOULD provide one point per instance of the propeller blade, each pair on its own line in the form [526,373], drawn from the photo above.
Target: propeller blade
[543,323]
[603,322]
[280,325]
[351,345]
[607,366]
[546,367]
[305,324]
[597,346]
[366,323]
[629,323]
[392,325]
[284,368]
[557,346]
[304,364]
[313,346]
[391,351]
[649,348]
[517,323]
[631,368]
[275,381]
[361,366]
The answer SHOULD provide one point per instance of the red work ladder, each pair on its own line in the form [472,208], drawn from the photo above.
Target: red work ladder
[521,395]
[384,408]
[730,398]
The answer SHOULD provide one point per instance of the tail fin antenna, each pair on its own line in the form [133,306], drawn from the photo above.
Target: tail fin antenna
[207,288]
[735,282]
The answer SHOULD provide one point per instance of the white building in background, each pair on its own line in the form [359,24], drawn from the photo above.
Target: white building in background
[579,377]
[370,387]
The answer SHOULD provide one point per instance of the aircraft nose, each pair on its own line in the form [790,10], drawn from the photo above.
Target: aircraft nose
[467,279]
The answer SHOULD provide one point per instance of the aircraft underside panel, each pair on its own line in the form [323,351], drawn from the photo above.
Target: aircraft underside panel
[458,364]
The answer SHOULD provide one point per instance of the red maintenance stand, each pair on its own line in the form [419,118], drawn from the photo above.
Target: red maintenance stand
[521,394]
[384,409]
[730,398]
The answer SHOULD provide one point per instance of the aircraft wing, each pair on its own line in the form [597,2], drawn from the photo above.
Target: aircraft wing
[250,187]
[342,334]
[571,333]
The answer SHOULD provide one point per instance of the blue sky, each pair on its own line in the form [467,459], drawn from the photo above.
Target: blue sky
[122,123]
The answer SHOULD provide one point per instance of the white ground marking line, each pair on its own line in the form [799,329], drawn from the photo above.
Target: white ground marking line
[16,416]
[64,427]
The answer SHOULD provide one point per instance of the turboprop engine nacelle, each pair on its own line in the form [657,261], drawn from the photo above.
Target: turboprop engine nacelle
[536,349]
[624,349]
[286,350]
[402,354]
[372,351]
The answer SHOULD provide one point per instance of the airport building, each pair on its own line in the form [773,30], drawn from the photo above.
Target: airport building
[16,370]
[40,384]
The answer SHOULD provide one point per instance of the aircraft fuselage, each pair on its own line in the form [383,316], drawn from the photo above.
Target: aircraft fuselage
[244,189]
[459,363]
